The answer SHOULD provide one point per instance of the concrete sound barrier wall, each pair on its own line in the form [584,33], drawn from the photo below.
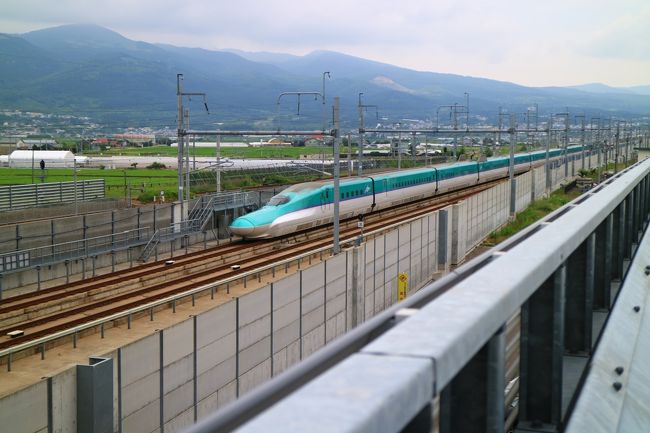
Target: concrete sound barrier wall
[140,385]
[539,183]
[254,339]
[216,341]
[26,411]
[524,189]
[484,213]
[337,279]
[412,249]
[287,307]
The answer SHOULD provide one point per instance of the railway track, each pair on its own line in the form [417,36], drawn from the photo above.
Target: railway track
[43,313]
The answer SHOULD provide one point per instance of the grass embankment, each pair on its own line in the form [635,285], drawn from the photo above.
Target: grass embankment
[540,208]
[536,211]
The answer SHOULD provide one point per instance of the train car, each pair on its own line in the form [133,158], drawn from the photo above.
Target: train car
[311,204]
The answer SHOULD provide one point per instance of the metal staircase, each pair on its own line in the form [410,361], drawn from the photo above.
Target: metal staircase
[198,218]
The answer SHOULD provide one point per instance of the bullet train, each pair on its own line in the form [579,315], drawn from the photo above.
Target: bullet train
[311,204]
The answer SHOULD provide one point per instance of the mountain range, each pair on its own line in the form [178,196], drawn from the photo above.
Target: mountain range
[93,71]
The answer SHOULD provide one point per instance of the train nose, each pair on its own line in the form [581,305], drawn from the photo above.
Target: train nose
[242,227]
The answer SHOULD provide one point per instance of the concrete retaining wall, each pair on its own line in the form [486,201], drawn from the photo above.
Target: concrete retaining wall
[27,410]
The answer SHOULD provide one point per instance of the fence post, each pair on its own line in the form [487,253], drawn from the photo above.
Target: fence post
[541,355]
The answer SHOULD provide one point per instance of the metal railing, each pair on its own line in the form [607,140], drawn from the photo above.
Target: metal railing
[198,217]
[556,273]
[56,253]
[38,194]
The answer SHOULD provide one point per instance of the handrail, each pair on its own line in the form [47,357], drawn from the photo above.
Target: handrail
[85,247]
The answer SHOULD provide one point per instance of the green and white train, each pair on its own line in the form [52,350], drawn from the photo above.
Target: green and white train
[306,205]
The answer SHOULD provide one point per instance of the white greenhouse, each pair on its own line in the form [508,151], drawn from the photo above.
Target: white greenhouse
[51,158]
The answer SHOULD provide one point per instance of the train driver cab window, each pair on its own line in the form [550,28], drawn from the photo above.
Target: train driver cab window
[278,200]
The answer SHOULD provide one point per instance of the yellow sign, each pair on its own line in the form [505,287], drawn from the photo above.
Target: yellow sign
[402,285]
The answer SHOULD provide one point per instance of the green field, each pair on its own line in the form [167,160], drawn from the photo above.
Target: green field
[21,176]
[118,182]
[266,152]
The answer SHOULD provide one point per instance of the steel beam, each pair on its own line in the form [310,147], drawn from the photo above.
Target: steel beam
[541,356]
[603,265]
[474,400]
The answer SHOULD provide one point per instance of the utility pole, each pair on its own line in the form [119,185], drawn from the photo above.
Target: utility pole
[399,149]
[566,144]
[467,111]
[455,117]
[336,247]
[413,146]
[582,137]
[218,171]
[500,124]
[616,137]
[187,158]
[528,133]
[74,172]
[628,133]
[549,127]
[181,142]
[511,170]
[349,154]
[325,74]
[361,131]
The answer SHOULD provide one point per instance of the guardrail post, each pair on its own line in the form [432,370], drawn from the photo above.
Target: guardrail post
[354,290]
[443,223]
[474,400]
[52,235]
[630,224]
[643,209]
[646,197]
[579,298]
[541,356]
[638,216]
[618,239]
[603,264]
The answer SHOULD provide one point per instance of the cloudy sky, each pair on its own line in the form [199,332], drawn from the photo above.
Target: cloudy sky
[531,42]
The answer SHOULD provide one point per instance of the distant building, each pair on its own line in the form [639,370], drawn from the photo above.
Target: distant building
[275,141]
[41,144]
[51,158]
[135,139]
